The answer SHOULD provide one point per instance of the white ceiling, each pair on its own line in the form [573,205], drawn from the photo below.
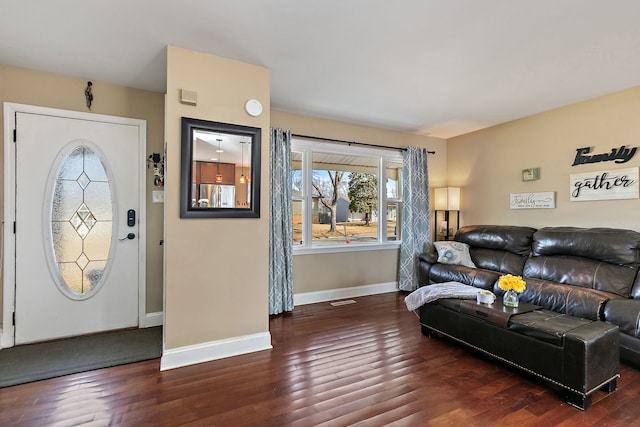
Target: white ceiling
[439,67]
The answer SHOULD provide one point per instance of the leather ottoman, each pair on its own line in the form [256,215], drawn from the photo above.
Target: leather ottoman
[579,355]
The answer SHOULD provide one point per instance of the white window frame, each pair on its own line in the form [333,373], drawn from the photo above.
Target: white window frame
[307,148]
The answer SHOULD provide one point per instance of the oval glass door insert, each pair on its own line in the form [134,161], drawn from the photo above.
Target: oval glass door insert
[81,223]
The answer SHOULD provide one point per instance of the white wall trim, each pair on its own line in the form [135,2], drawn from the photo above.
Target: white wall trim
[214,350]
[341,293]
[152,319]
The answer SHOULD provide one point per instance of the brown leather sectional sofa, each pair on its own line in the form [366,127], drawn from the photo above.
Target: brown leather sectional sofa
[589,273]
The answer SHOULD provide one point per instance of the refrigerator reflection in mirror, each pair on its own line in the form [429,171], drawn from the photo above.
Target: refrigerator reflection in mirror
[217,196]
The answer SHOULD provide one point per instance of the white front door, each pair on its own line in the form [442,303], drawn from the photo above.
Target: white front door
[77,224]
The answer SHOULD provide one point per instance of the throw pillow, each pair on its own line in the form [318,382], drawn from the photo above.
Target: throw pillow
[456,253]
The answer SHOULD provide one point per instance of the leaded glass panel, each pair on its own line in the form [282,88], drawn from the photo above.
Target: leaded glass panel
[72,276]
[66,243]
[81,220]
[94,197]
[94,169]
[67,196]
[93,243]
[72,167]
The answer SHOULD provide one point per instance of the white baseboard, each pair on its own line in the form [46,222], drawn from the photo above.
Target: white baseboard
[152,319]
[214,350]
[341,293]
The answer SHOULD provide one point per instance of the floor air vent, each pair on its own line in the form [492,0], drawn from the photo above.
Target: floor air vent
[343,302]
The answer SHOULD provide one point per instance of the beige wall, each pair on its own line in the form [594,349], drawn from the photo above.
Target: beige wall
[24,86]
[320,272]
[487,164]
[202,305]
[216,270]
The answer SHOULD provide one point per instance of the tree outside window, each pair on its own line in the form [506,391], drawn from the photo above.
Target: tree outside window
[337,192]
[363,194]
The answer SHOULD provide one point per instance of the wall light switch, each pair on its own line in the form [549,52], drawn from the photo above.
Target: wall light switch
[158,196]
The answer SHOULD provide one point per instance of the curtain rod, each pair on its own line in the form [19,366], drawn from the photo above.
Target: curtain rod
[353,143]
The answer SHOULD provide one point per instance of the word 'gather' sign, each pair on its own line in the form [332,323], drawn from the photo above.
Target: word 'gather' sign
[604,185]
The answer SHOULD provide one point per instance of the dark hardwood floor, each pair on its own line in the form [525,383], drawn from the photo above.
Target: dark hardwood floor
[363,364]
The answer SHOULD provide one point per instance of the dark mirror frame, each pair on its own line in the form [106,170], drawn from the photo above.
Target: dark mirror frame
[190,125]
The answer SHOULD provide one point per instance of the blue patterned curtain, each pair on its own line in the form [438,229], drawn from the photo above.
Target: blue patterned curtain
[415,222]
[280,224]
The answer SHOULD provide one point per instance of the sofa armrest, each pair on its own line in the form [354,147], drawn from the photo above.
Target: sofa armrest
[566,299]
[430,256]
[626,314]
[426,260]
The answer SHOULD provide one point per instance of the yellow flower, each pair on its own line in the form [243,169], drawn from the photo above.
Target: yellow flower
[509,281]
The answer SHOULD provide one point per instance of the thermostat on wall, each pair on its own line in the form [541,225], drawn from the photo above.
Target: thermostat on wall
[253,107]
[531,174]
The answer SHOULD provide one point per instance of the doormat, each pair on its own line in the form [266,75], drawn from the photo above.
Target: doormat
[33,362]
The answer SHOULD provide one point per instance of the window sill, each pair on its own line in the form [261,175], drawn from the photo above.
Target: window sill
[329,249]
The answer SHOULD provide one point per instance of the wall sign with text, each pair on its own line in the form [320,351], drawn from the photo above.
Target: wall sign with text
[604,185]
[540,200]
[616,155]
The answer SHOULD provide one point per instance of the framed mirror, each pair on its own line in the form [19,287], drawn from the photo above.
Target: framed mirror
[220,170]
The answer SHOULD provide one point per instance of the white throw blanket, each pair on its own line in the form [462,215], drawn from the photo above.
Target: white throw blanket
[429,293]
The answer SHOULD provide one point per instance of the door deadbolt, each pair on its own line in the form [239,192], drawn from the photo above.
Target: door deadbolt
[131,218]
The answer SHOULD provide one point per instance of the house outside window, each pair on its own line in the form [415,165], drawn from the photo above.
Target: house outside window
[344,197]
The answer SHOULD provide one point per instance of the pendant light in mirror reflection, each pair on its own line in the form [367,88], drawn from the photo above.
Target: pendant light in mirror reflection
[216,174]
[242,179]
[219,151]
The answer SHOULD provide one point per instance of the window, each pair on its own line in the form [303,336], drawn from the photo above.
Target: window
[344,196]
[81,223]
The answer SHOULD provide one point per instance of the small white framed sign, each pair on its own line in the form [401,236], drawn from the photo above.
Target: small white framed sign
[539,200]
[604,185]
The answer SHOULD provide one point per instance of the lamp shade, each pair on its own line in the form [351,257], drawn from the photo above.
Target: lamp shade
[447,199]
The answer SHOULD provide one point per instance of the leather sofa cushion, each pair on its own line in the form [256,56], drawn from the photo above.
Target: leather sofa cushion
[630,350]
[494,249]
[611,245]
[604,259]
[626,314]
[582,272]
[508,238]
[477,277]
[565,299]
[635,289]
[496,260]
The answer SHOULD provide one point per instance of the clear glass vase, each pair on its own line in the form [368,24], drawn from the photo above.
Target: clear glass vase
[510,298]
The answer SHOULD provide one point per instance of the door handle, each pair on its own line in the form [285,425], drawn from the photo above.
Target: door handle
[129,236]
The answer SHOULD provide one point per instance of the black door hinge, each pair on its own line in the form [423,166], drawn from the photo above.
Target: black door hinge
[14,318]
[14,227]
[15,135]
